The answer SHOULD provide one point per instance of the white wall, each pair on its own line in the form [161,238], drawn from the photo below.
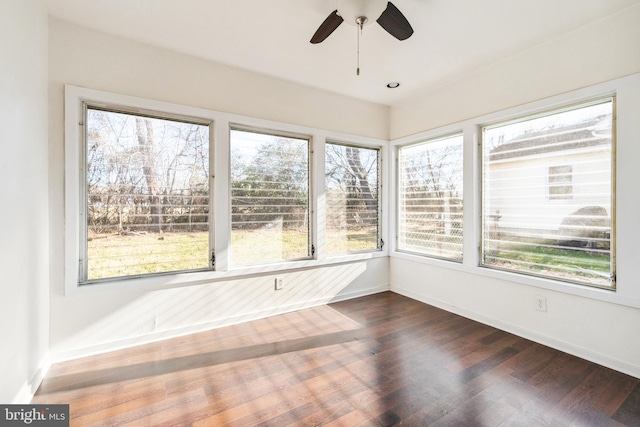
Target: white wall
[85,324]
[24,244]
[602,332]
[596,325]
[603,50]
[94,60]
[93,322]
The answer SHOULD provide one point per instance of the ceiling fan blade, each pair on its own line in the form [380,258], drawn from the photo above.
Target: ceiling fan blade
[394,22]
[329,25]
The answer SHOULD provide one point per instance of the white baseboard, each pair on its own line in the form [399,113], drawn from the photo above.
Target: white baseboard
[28,389]
[358,294]
[62,355]
[584,353]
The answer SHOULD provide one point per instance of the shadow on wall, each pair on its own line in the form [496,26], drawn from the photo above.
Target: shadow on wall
[119,321]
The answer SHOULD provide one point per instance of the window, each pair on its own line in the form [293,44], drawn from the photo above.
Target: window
[430,198]
[139,195]
[531,163]
[269,197]
[146,195]
[352,198]
[560,182]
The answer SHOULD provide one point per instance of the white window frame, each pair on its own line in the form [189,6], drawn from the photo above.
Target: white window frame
[219,192]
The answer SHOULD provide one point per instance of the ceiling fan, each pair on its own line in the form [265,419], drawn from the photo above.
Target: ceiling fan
[364,12]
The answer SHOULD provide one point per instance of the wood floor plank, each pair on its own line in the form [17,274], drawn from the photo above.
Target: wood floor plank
[629,411]
[378,360]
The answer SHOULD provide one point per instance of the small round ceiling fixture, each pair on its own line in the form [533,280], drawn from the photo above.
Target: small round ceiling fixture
[393,85]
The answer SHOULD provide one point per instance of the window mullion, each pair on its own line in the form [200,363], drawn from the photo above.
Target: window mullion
[318,199]
[221,231]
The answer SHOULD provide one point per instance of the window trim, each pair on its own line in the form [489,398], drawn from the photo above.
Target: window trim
[219,192]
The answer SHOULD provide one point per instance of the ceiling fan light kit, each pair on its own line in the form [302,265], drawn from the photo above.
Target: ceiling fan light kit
[361,13]
[351,10]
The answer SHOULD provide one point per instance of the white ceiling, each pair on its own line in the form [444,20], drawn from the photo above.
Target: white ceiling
[452,37]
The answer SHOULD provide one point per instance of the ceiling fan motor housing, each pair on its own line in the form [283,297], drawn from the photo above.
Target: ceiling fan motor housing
[363,12]
[351,10]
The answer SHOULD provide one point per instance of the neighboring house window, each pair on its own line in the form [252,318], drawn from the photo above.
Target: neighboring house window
[269,197]
[430,198]
[560,182]
[352,198]
[524,230]
[146,195]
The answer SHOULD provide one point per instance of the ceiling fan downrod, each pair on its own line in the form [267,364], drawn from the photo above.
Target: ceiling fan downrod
[360,20]
[355,12]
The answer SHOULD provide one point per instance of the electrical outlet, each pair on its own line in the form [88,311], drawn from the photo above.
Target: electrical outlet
[541,303]
[279,283]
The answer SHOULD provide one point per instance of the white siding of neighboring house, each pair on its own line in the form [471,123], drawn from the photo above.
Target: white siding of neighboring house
[526,180]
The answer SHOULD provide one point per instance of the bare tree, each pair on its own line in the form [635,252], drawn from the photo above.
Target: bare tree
[356,179]
[144,132]
[144,174]
[364,189]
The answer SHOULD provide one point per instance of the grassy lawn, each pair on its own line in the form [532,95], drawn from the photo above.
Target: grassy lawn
[559,257]
[562,263]
[267,245]
[256,246]
[341,241]
[115,255]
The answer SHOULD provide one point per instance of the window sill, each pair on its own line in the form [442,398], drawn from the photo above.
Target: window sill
[614,296]
[166,281]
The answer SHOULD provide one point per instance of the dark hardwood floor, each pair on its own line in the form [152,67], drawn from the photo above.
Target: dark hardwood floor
[377,360]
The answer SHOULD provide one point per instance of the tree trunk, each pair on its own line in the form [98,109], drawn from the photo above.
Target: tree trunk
[144,130]
[366,193]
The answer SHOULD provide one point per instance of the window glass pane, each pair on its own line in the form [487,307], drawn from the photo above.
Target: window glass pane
[351,184]
[147,195]
[269,198]
[430,198]
[547,192]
